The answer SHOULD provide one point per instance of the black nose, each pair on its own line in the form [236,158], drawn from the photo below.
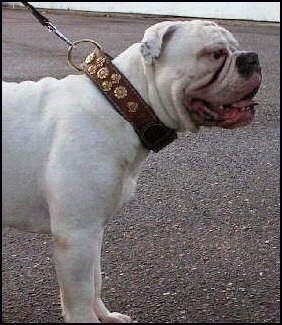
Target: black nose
[247,63]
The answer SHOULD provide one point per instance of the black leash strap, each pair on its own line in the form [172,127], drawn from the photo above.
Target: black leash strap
[46,23]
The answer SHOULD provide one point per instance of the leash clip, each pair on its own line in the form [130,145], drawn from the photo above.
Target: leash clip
[53,28]
[74,44]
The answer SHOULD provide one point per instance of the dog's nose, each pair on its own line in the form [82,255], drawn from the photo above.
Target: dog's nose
[247,63]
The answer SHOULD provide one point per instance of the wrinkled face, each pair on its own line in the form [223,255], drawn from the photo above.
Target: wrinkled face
[201,72]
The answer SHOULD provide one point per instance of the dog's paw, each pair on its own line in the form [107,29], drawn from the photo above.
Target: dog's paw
[116,318]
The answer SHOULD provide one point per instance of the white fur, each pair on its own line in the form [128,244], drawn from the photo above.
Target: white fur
[70,160]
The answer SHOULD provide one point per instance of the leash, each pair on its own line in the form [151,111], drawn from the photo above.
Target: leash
[124,98]
[52,28]
[46,23]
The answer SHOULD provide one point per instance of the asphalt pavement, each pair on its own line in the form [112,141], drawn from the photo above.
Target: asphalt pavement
[200,242]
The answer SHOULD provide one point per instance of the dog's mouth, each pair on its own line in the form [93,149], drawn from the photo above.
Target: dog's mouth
[236,114]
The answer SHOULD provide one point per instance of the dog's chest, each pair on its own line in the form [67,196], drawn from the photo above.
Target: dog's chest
[131,173]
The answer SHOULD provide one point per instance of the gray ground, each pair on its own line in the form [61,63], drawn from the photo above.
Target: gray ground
[200,241]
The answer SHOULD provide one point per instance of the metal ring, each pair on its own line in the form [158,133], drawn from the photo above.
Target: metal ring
[73,45]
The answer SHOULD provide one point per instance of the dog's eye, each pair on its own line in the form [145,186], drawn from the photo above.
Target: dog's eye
[218,54]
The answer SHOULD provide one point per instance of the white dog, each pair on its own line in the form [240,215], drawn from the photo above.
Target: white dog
[70,160]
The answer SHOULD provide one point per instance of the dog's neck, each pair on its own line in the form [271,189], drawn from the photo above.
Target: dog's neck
[132,66]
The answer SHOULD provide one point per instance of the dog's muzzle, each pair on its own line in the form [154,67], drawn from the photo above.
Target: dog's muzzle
[235,106]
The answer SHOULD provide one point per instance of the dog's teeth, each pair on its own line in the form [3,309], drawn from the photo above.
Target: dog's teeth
[245,109]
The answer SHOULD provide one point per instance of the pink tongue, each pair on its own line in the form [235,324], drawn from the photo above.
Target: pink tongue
[231,114]
[234,116]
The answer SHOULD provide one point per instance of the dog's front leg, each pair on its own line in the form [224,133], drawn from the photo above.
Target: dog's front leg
[74,262]
[100,309]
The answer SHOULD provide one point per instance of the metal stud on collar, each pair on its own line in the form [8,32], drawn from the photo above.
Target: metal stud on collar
[74,44]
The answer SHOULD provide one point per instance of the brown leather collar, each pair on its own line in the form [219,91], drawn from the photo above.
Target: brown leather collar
[127,101]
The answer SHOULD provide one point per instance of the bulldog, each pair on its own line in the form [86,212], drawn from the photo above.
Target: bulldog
[70,160]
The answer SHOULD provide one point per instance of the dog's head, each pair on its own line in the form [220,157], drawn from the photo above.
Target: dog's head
[199,74]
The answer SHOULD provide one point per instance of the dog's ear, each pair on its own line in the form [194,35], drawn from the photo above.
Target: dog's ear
[154,39]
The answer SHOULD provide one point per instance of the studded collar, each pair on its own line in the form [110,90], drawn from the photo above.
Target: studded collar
[153,134]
